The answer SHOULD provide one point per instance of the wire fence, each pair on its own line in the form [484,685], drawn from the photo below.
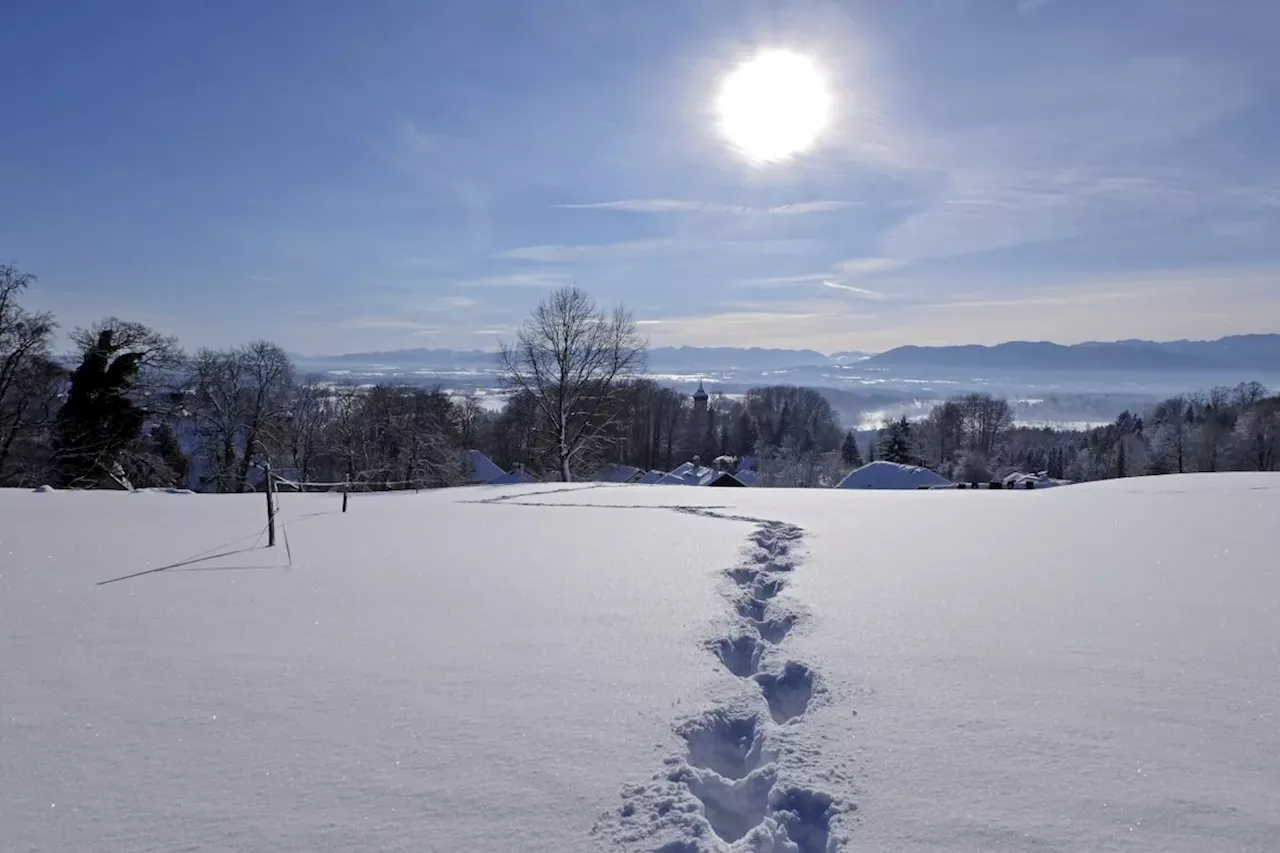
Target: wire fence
[351,485]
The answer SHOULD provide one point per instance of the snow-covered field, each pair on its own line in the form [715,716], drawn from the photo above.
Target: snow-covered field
[645,668]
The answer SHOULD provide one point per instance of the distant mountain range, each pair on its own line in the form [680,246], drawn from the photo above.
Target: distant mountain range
[1239,352]
[1236,353]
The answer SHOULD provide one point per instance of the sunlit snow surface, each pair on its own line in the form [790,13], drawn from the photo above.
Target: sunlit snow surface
[594,668]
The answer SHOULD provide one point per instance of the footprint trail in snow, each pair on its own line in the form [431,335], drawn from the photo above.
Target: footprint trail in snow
[730,790]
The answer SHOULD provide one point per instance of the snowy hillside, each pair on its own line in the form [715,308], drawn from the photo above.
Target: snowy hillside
[645,668]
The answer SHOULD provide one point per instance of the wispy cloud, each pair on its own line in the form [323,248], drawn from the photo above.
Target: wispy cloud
[1044,300]
[527,278]
[603,252]
[861,290]
[388,324]
[837,277]
[677,205]
[567,253]
[854,267]
[787,280]
[803,207]
[1174,304]
[656,205]
[1038,167]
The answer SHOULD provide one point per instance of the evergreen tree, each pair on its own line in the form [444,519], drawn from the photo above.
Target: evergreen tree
[849,454]
[895,442]
[98,421]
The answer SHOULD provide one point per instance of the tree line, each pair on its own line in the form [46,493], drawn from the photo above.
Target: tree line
[972,438]
[127,407]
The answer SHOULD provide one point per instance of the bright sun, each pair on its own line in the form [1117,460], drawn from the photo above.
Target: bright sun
[774,105]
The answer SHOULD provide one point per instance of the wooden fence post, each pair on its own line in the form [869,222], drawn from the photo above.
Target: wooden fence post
[271,509]
[346,491]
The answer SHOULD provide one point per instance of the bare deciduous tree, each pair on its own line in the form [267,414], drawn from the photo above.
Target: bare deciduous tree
[270,386]
[241,399]
[986,419]
[27,376]
[571,358]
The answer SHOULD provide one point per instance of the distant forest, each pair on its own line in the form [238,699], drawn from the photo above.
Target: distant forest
[129,407]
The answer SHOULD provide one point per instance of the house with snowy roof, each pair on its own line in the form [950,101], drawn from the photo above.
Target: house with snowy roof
[615,473]
[480,468]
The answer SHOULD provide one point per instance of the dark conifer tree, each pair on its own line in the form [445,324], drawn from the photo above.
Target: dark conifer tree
[849,453]
[98,421]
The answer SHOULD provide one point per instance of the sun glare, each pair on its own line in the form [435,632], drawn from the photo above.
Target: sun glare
[773,105]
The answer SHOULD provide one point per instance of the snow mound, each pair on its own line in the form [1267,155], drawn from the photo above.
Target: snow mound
[44,490]
[892,475]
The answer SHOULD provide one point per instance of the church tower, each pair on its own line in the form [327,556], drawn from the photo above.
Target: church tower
[700,405]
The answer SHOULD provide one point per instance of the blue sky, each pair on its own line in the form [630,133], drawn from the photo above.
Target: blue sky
[344,176]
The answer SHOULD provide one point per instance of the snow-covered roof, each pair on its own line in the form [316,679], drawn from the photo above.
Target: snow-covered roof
[748,478]
[891,475]
[1041,480]
[651,477]
[696,476]
[614,473]
[512,478]
[671,480]
[481,468]
[683,468]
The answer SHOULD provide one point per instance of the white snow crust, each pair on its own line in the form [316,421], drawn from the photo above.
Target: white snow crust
[620,668]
